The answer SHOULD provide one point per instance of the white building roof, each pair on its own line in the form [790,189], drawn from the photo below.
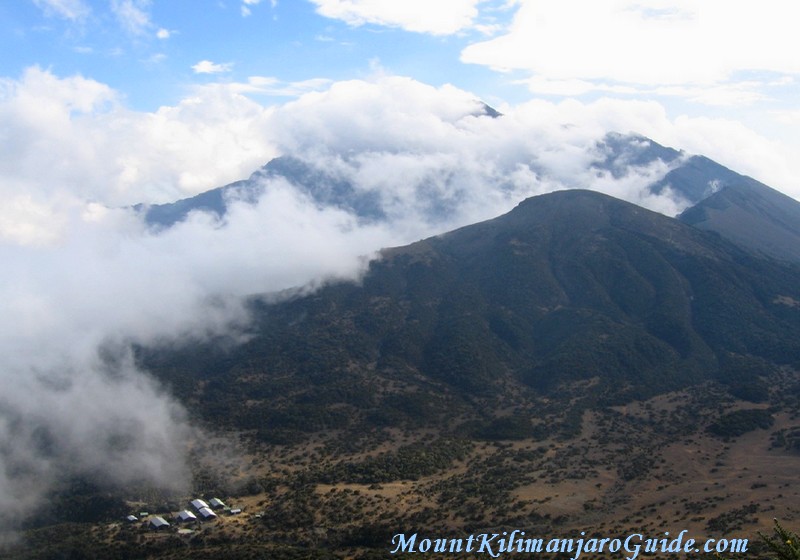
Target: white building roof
[186,515]
[158,522]
[207,513]
[216,503]
[199,504]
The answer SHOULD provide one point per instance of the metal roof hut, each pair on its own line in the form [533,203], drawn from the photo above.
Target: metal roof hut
[185,515]
[207,514]
[216,503]
[158,523]
[199,504]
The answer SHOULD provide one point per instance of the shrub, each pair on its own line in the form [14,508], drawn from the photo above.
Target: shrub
[785,545]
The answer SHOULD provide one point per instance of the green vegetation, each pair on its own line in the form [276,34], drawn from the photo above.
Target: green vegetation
[739,422]
[787,438]
[784,544]
[410,462]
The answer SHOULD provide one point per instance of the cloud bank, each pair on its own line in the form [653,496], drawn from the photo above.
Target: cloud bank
[73,401]
[70,140]
[666,47]
[84,279]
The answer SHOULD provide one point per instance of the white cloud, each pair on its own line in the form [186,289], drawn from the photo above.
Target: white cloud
[72,136]
[652,42]
[133,15]
[791,117]
[25,221]
[246,4]
[571,87]
[208,67]
[350,113]
[74,10]
[396,115]
[269,85]
[722,95]
[69,313]
[443,17]
[163,33]
[433,164]
[738,147]
[726,141]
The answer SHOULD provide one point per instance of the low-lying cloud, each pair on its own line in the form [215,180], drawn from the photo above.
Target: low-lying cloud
[73,402]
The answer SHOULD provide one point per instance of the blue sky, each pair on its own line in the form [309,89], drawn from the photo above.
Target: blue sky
[668,49]
[149,53]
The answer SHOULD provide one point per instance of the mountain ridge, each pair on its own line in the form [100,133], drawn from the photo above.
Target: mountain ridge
[567,288]
[715,194]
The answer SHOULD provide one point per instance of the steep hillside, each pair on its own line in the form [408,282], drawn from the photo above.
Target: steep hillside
[753,216]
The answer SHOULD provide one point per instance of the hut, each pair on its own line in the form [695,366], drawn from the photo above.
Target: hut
[158,523]
[185,515]
[199,504]
[207,514]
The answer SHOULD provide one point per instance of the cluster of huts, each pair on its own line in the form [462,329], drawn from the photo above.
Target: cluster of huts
[200,511]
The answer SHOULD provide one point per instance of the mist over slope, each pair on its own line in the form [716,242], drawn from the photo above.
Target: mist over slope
[457,189]
[73,403]
[574,299]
